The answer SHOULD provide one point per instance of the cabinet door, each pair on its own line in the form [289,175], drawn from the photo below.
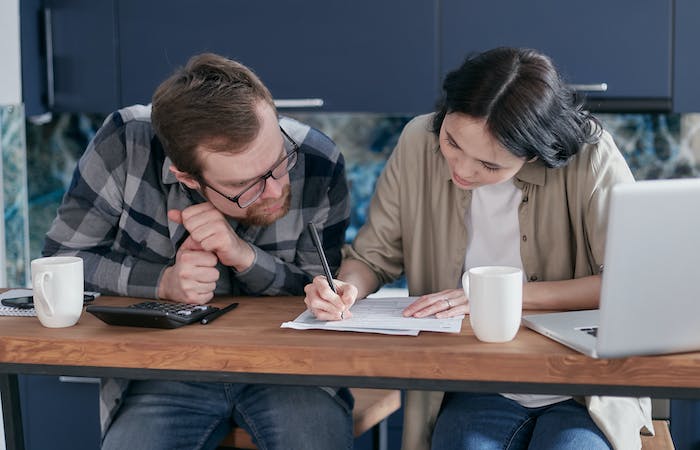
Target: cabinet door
[685,418]
[69,56]
[33,58]
[60,413]
[356,56]
[84,68]
[623,43]
[686,73]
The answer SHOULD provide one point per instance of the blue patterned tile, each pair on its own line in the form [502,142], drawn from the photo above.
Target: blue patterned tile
[654,145]
[651,145]
[53,150]
[366,141]
[14,176]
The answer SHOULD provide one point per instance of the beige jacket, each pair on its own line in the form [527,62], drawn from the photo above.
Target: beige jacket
[416,225]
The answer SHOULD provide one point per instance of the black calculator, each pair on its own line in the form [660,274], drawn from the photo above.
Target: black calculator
[152,314]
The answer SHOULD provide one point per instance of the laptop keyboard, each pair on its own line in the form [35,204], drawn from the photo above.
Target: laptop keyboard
[593,331]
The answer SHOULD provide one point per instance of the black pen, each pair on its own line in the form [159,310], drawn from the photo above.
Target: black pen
[218,313]
[322,255]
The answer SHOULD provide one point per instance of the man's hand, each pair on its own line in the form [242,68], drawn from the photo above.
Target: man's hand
[209,228]
[193,277]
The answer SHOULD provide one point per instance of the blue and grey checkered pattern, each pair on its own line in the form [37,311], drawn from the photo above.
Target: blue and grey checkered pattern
[114,214]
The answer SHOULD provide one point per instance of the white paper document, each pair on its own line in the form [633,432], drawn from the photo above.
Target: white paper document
[379,315]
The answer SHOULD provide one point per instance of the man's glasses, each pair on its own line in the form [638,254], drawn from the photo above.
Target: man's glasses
[251,193]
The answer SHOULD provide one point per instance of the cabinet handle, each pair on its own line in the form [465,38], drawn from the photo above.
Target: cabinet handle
[48,43]
[596,87]
[299,103]
[85,380]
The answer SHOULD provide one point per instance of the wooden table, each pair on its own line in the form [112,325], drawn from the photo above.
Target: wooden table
[248,345]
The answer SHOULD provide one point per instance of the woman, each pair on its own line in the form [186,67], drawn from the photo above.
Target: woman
[508,171]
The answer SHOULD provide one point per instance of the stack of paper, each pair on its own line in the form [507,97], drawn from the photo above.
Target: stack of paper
[379,315]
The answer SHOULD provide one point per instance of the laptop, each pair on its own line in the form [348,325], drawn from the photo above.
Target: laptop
[650,295]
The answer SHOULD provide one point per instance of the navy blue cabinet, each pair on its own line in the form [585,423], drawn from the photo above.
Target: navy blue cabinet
[59,415]
[361,56]
[33,57]
[69,56]
[686,64]
[685,424]
[356,56]
[625,44]
[83,63]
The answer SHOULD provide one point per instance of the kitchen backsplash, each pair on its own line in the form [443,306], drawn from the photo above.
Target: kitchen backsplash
[14,194]
[655,146]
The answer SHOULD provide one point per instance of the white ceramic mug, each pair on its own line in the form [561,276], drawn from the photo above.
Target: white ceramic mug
[495,296]
[58,290]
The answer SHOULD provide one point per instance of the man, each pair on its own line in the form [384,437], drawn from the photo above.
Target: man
[207,192]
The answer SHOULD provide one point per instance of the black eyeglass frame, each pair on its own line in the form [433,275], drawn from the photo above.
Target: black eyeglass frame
[263,178]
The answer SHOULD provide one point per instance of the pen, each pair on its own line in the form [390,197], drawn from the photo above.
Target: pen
[322,255]
[218,313]
[324,260]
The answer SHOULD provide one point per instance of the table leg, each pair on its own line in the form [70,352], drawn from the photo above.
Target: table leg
[11,411]
[380,435]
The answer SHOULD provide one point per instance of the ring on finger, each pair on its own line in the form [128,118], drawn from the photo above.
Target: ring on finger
[447,300]
[342,315]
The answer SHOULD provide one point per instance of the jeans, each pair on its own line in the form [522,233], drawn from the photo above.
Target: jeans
[172,415]
[491,421]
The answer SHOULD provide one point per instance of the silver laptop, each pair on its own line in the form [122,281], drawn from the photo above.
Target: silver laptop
[650,297]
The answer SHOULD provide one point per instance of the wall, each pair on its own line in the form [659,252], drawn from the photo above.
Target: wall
[14,244]
[10,75]
[10,94]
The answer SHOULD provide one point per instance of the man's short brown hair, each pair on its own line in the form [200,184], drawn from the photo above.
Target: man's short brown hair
[211,101]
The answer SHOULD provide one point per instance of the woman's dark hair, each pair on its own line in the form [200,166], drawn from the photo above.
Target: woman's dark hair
[524,102]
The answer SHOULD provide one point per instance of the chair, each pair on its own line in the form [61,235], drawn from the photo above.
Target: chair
[662,439]
[372,408]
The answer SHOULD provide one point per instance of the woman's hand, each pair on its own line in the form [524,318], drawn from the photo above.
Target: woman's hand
[326,304]
[448,303]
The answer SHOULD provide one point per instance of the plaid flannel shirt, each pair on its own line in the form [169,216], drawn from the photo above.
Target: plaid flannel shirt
[114,216]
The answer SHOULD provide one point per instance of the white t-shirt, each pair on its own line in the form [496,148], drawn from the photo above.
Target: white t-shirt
[494,240]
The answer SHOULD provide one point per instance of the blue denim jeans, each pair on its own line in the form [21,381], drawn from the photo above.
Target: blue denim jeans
[172,415]
[491,421]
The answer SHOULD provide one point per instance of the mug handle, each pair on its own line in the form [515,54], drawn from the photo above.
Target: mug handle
[465,284]
[42,297]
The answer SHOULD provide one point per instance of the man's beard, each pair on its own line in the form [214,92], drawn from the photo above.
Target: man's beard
[256,215]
